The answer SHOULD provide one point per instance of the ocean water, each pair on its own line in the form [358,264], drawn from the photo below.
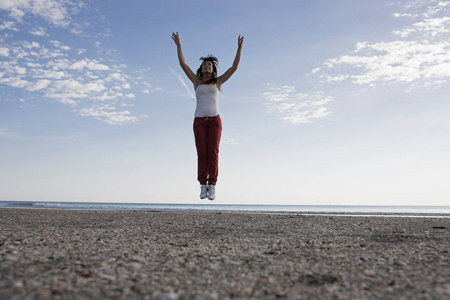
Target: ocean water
[440,211]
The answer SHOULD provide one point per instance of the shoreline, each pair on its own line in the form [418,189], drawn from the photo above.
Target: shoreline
[72,254]
[325,210]
[287,213]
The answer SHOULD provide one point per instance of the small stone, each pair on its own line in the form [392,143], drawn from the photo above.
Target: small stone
[106,276]
[370,273]
[11,257]
[56,291]
[398,263]
[17,284]
[210,296]
[134,266]
[139,259]
[167,296]
[86,274]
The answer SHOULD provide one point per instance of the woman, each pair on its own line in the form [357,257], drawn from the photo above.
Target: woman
[207,122]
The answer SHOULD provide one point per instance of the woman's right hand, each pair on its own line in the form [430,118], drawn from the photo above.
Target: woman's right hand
[176,38]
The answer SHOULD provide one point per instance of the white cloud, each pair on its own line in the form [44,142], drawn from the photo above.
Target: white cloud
[54,11]
[434,8]
[4,51]
[15,82]
[39,31]
[89,64]
[76,83]
[108,114]
[107,96]
[59,64]
[47,67]
[26,49]
[397,15]
[145,83]
[19,70]
[9,25]
[315,70]
[33,65]
[31,45]
[390,62]
[19,52]
[296,107]
[420,59]
[433,18]
[17,13]
[434,26]
[126,86]
[49,74]
[39,85]
[81,89]
[431,27]
[58,44]
[117,76]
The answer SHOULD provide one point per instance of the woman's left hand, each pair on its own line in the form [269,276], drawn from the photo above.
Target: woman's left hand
[240,42]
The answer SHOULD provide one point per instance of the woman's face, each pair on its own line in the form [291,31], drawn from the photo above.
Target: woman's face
[207,67]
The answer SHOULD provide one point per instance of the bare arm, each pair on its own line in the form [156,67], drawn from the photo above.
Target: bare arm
[222,79]
[192,77]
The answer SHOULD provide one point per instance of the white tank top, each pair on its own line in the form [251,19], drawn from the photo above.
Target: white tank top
[207,100]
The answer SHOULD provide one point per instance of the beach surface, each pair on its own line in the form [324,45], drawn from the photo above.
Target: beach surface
[81,254]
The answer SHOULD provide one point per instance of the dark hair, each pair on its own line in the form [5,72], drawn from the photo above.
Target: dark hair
[215,62]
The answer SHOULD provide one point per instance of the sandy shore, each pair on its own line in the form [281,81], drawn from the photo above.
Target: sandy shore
[63,254]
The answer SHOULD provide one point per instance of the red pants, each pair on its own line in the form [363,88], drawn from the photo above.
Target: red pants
[207,132]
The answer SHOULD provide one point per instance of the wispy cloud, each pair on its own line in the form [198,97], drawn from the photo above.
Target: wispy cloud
[39,31]
[4,51]
[230,141]
[417,56]
[93,87]
[296,107]
[9,25]
[183,83]
[74,82]
[6,134]
[54,11]
[420,58]
[109,114]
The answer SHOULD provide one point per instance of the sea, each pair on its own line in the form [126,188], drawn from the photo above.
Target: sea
[351,210]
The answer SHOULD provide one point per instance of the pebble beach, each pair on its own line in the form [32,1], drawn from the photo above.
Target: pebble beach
[87,254]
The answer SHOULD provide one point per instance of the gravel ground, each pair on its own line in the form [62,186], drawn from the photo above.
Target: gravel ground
[66,254]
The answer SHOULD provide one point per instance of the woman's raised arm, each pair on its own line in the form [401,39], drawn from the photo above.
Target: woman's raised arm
[222,79]
[192,77]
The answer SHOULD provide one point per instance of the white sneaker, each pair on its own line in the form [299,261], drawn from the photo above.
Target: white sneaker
[211,192]
[203,191]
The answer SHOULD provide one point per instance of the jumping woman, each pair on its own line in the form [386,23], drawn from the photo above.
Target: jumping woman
[207,122]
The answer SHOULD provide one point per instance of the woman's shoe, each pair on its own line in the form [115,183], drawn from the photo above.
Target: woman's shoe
[211,192]
[203,191]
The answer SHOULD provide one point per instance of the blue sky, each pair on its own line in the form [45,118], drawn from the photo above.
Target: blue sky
[334,102]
